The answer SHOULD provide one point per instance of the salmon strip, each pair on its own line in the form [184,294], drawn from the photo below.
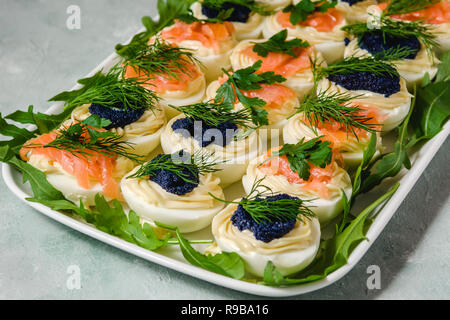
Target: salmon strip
[209,34]
[93,166]
[318,180]
[282,63]
[321,21]
[439,13]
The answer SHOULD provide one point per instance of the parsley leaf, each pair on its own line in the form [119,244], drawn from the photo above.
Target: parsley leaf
[303,154]
[302,10]
[247,79]
[278,43]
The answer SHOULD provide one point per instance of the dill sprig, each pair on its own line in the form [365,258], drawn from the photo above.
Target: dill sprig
[400,29]
[353,64]
[213,113]
[407,6]
[326,107]
[110,90]
[250,4]
[87,138]
[278,43]
[263,209]
[182,164]
[159,58]
[301,155]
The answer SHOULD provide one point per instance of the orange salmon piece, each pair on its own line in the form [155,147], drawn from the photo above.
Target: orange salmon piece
[209,34]
[321,21]
[282,63]
[438,13]
[318,180]
[93,166]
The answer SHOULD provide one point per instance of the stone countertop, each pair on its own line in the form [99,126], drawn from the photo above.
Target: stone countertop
[40,57]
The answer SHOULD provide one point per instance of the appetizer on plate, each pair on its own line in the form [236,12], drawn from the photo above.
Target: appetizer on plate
[433,12]
[247,16]
[371,82]
[81,159]
[133,110]
[412,41]
[265,227]
[306,170]
[334,117]
[318,22]
[211,43]
[261,92]
[288,58]
[171,72]
[175,189]
[215,129]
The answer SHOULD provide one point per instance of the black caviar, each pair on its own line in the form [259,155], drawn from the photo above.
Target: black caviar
[263,232]
[352,2]
[221,135]
[240,13]
[377,42]
[118,115]
[385,84]
[174,184]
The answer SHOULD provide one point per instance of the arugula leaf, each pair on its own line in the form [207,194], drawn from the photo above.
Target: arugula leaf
[41,188]
[389,165]
[302,154]
[302,10]
[227,263]
[278,43]
[333,253]
[432,105]
[368,155]
[111,219]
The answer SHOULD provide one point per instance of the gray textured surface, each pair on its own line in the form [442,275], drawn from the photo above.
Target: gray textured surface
[40,57]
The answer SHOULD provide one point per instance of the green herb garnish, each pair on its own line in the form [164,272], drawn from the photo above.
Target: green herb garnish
[325,107]
[250,4]
[86,137]
[110,90]
[247,79]
[263,209]
[213,114]
[159,58]
[301,155]
[407,6]
[354,64]
[399,29]
[278,43]
[182,164]
[168,12]
[302,10]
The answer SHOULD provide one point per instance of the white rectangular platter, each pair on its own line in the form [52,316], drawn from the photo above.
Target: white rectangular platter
[172,258]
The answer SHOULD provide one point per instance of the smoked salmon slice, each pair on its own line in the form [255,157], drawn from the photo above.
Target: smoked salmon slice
[282,63]
[318,180]
[437,13]
[209,34]
[161,83]
[85,168]
[321,21]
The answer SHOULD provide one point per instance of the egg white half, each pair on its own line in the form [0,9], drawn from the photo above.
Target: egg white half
[191,212]
[289,254]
